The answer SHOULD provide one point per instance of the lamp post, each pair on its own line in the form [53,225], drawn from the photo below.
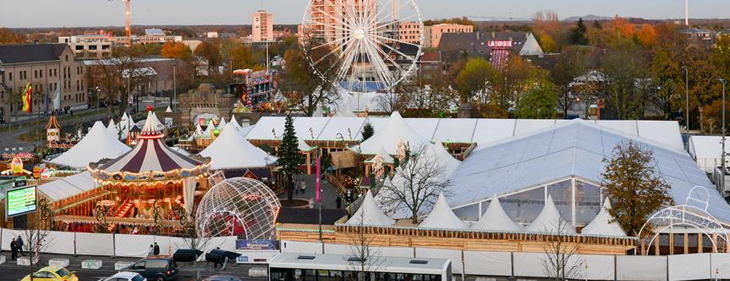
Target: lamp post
[686,114]
[174,83]
[722,156]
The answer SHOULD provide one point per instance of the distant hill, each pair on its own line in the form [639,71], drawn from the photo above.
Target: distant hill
[587,18]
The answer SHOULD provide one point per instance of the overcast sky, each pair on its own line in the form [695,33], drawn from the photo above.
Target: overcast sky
[78,13]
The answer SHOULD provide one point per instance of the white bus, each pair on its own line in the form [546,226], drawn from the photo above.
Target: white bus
[316,267]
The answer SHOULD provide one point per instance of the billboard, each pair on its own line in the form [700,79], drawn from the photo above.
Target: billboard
[499,44]
[20,201]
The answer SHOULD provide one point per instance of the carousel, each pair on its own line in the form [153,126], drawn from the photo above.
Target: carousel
[151,185]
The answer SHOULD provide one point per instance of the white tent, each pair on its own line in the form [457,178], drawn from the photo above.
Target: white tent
[67,187]
[234,122]
[303,146]
[245,130]
[198,130]
[387,136]
[548,220]
[495,219]
[231,151]
[168,110]
[98,144]
[707,151]
[441,216]
[208,130]
[318,112]
[603,223]
[384,156]
[222,124]
[369,214]
[113,128]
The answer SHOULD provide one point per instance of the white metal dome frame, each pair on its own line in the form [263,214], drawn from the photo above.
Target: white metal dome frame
[238,202]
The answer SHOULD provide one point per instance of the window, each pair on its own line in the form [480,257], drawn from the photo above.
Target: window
[157,264]
[10,76]
[139,265]
[62,272]
[525,206]
[66,57]
[562,194]
[587,202]
[137,278]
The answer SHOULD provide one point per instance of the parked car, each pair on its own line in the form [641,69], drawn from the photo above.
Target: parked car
[125,276]
[53,273]
[155,268]
[222,278]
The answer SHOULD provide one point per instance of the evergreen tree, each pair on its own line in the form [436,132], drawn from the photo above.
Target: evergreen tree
[578,34]
[289,157]
[367,131]
[597,25]
[634,190]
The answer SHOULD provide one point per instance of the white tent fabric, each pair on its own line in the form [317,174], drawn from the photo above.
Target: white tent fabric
[495,219]
[303,146]
[208,131]
[156,122]
[113,128]
[245,130]
[198,130]
[181,151]
[318,112]
[98,144]
[441,216]
[67,187]
[549,219]
[222,124]
[384,156]
[234,122]
[232,151]
[388,136]
[370,214]
[603,223]
[168,110]
[707,151]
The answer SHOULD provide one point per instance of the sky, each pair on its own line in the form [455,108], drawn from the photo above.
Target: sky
[83,13]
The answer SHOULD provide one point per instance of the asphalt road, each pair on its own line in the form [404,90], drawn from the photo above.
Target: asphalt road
[10,271]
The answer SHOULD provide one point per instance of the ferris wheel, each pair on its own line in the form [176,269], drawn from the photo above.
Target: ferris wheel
[363,45]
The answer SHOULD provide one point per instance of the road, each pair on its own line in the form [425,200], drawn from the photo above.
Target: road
[10,271]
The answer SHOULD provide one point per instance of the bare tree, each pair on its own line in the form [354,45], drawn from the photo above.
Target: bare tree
[561,261]
[363,257]
[416,184]
[191,238]
[36,238]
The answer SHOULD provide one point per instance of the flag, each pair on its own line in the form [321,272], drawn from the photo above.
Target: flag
[57,99]
[27,97]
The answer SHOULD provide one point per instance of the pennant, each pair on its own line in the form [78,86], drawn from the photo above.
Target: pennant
[57,99]
[27,97]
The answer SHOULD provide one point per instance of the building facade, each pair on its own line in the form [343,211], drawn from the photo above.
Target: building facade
[49,68]
[263,26]
[88,46]
[435,32]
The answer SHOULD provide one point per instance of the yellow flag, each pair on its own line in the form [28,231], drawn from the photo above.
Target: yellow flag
[27,96]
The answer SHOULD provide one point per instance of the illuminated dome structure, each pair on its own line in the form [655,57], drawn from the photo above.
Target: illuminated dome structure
[238,207]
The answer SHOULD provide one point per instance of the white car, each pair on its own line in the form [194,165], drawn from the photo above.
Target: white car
[125,276]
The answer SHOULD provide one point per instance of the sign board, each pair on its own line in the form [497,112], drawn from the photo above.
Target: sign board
[257,245]
[499,44]
[20,201]
[17,165]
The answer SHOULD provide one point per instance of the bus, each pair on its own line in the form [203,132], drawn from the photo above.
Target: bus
[318,267]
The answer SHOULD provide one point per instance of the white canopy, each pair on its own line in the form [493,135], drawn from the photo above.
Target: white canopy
[384,156]
[208,130]
[67,187]
[199,130]
[549,219]
[245,130]
[234,122]
[168,110]
[232,151]
[604,224]
[303,146]
[98,144]
[125,124]
[318,112]
[180,150]
[222,124]
[388,136]
[370,214]
[495,219]
[156,122]
[707,151]
[113,128]
[442,217]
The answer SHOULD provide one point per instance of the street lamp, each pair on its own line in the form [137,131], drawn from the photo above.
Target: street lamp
[722,160]
[686,114]
[174,83]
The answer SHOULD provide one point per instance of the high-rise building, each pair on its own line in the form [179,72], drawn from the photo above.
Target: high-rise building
[329,18]
[435,32]
[263,26]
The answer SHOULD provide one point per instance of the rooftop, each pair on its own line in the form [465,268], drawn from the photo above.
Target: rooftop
[28,53]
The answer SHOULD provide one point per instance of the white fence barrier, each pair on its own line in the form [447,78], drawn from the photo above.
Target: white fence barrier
[120,245]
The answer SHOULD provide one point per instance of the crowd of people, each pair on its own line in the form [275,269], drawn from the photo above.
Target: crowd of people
[16,247]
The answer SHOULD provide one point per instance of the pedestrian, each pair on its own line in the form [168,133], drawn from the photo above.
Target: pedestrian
[303,186]
[20,246]
[157,249]
[151,251]
[311,203]
[338,201]
[13,249]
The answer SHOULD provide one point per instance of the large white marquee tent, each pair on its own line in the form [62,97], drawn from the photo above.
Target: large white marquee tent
[232,151]
[100,143]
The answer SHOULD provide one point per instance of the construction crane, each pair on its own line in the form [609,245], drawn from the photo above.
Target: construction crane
[128,18]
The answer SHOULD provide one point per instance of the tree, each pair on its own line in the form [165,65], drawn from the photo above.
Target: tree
[176,50]
[539,102]
[7,36]
[365,257]
[416,184]
[36,238]
[289,157]
[153,49]
[476,77]
[627,81]
[571,63]
[210,52]
[561,260]
[634,189]
[367,131]
[244,57]
[578,33]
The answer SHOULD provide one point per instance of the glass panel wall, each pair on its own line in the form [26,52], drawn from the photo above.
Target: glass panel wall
[525,206]
[562,194]
[587,202]
[468,213]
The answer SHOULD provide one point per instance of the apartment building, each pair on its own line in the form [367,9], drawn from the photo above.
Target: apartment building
[263,26]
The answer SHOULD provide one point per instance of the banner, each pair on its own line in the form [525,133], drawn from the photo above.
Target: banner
[57,99]
[27,97]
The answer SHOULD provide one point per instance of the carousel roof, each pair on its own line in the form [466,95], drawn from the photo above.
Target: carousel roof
[150,154]
[53,123]
[98,144]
